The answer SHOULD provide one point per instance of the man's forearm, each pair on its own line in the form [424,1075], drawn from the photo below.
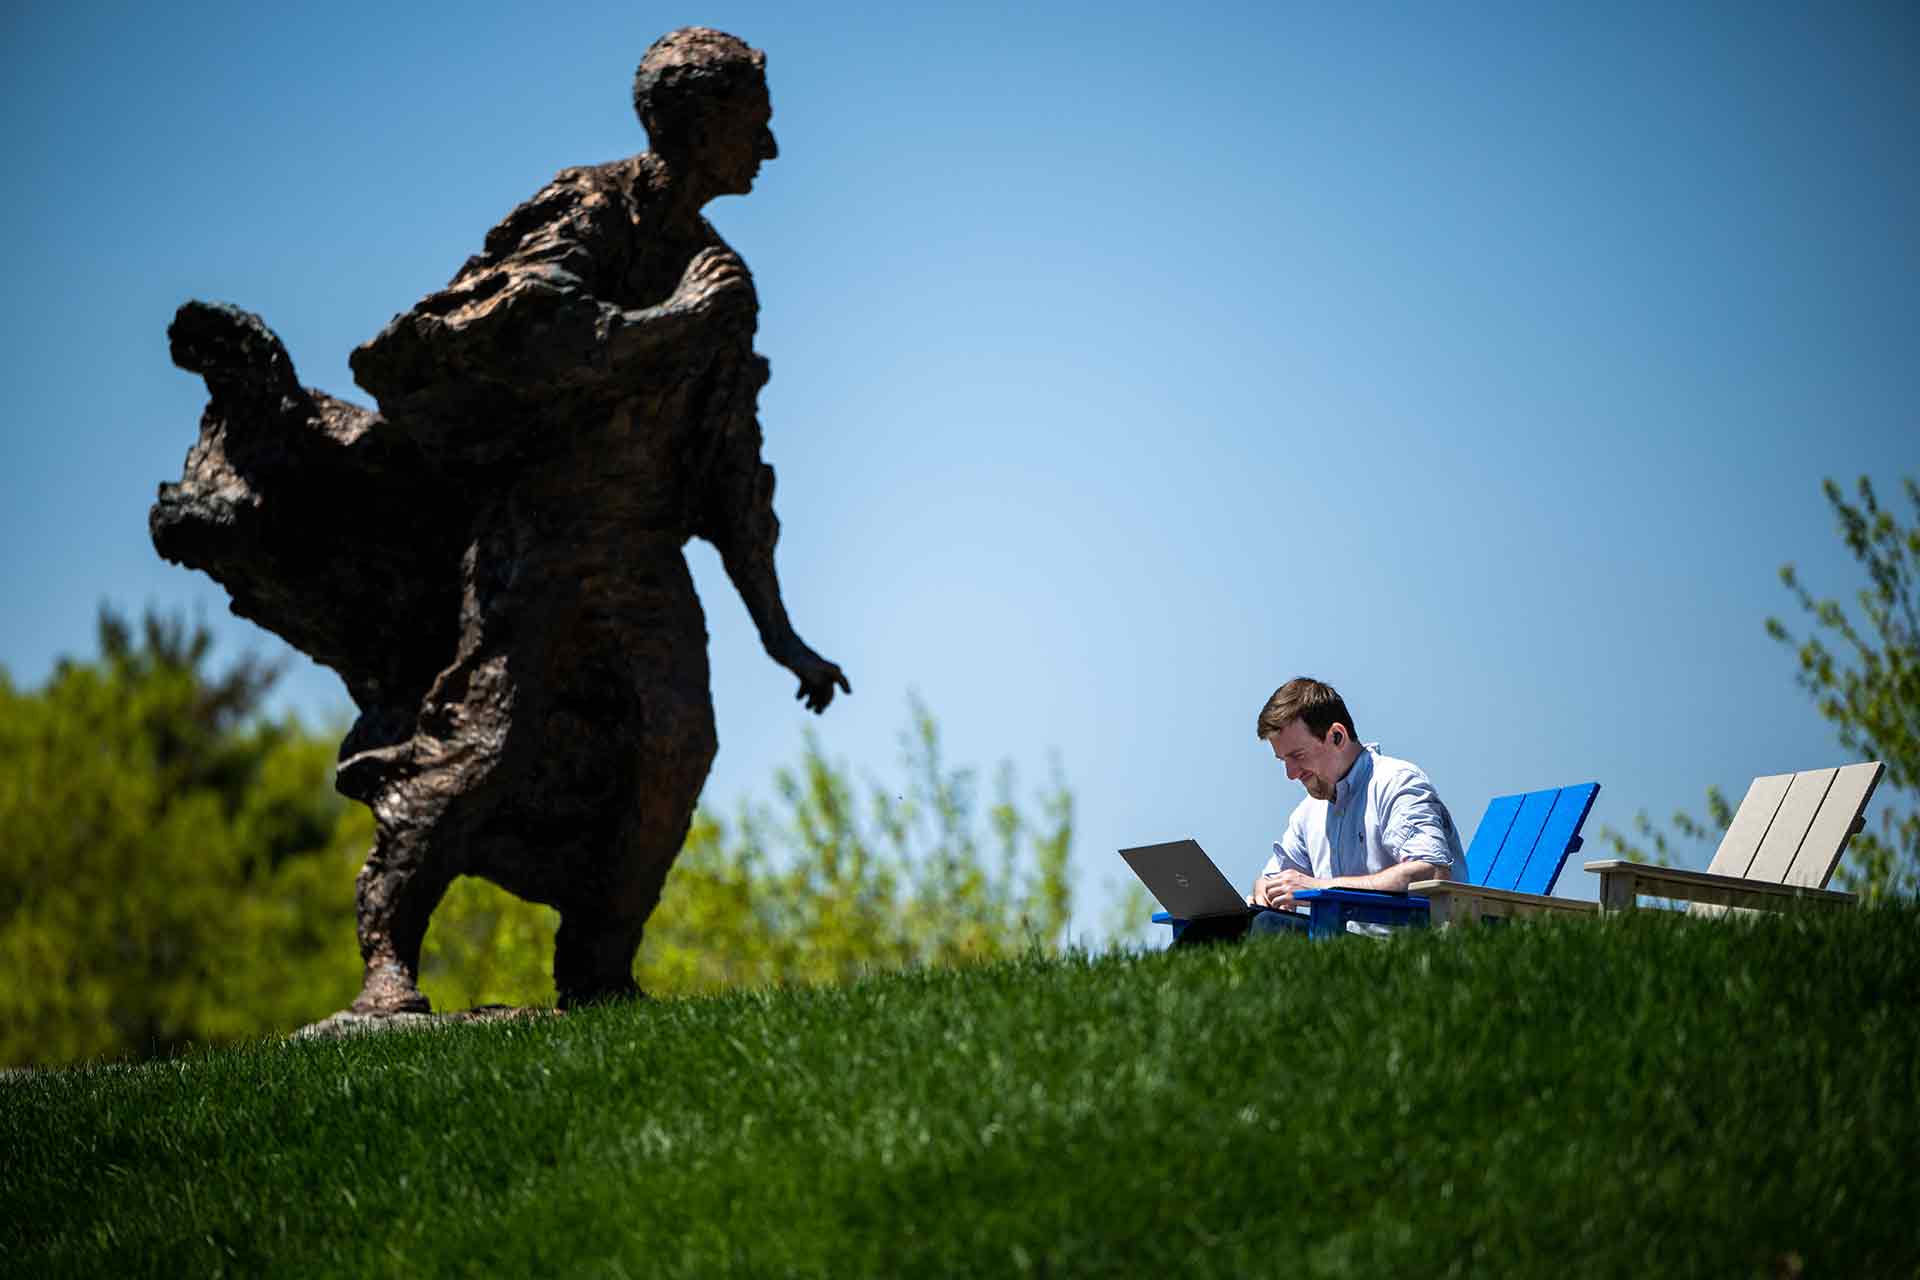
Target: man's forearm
[1394,879]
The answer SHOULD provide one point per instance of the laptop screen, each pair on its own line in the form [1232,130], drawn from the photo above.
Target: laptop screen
[1181,875]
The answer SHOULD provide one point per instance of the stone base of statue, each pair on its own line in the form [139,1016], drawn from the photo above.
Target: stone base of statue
[347,1023]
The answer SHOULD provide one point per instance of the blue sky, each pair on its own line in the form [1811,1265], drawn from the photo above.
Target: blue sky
[1128,359]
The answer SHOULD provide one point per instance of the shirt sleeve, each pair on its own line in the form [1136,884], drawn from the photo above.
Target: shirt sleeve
[1418,827]
[1290,850]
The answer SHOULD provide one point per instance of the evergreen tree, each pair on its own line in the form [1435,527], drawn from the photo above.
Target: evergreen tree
[172,868]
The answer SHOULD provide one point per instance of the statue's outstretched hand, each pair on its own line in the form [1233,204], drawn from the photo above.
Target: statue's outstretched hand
[817,677]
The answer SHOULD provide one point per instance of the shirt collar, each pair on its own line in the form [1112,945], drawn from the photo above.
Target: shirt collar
[1358,775]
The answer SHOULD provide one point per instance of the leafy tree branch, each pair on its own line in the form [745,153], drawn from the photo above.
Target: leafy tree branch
[1862,669]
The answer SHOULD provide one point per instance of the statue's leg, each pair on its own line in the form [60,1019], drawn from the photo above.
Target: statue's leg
[437,790]
[403,881]
[600,934]
[593,956]
[600,929]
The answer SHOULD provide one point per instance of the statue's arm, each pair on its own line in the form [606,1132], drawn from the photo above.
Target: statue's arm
[716,289]
[526,314]
[741,523]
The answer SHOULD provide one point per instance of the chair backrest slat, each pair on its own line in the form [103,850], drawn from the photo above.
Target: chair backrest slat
[1833,826]
[1490,836]
[1557,839]
[1749,826]
[1535,808]
[1789,829]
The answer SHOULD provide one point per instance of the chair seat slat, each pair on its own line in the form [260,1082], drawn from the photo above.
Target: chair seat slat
[1491,834]
[1790,825]
[1838,820]
[1749,826]
[1535,808]
[1557,839]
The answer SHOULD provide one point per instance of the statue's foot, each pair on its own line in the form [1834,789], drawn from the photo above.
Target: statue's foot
[389,989]
[606,994]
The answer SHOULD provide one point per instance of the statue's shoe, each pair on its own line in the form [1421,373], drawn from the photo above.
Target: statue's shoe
[388,989]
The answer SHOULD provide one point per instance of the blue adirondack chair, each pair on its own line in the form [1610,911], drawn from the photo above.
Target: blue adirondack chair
[1522,843]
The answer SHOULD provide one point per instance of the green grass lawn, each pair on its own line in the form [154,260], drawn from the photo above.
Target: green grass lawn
[1651,1095]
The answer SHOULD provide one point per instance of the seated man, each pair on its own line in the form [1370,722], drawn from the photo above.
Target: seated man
[1369,821]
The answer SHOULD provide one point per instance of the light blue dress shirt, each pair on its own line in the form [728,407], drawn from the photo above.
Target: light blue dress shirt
[1384,812]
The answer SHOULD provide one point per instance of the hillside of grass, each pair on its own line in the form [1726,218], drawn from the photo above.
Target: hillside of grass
[1648,1095]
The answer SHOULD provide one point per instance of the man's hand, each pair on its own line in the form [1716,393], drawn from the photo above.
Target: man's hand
[817,677]
[1276,891]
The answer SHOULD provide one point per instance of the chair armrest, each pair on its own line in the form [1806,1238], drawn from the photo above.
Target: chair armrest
[1381,896]
[1456,902]
[1333,908]
[1455,889]
[1621,883]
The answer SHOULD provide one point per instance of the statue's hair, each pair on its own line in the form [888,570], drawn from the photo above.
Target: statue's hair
[685,69]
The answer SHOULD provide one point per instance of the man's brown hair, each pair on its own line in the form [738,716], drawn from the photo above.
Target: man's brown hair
[1308,700]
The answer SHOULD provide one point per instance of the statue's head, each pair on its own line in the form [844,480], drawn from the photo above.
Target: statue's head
[701,94]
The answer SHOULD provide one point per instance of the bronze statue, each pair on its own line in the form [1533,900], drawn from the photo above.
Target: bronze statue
[493,562]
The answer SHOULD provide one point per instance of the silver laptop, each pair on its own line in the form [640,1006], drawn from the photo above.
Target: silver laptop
[1183,877]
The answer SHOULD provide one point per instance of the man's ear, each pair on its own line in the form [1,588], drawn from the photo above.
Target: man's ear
[1337,735]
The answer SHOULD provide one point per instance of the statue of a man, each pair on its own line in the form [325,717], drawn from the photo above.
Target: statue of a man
[580,399]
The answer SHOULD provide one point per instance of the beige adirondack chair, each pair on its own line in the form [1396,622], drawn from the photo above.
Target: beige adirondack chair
[1784,842]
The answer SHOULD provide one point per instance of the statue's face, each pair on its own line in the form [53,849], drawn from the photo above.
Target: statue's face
[736,141]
